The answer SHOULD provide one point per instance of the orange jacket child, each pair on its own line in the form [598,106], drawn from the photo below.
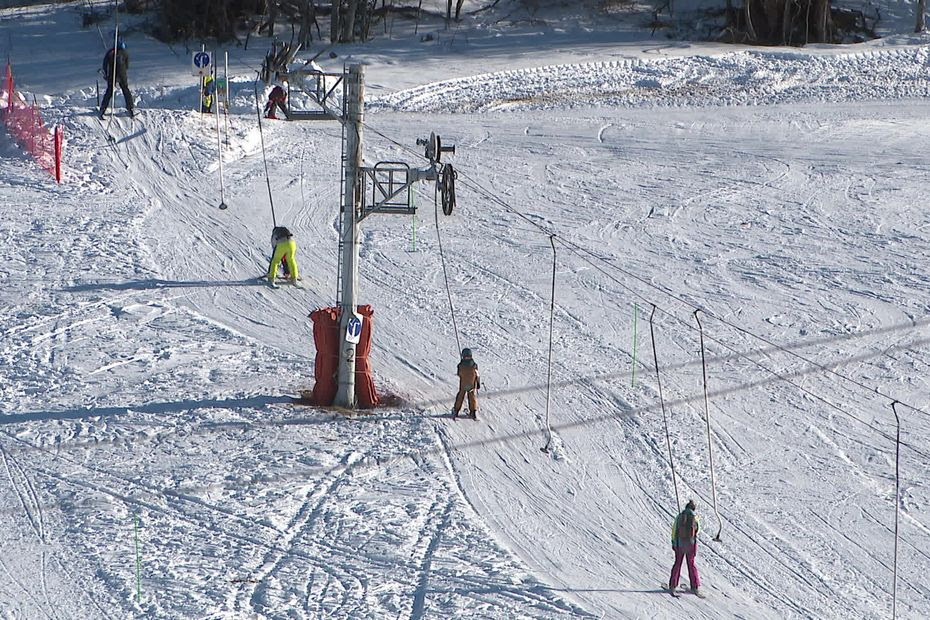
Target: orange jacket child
[469,382]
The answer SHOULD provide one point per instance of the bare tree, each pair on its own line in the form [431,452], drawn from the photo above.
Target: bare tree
[921,8]
[458,10]
[300,12]
[348,21]
[782,22]
[209,18]
[351,19]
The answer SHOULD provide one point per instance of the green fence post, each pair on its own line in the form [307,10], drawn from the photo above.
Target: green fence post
[138,563]
[633,374]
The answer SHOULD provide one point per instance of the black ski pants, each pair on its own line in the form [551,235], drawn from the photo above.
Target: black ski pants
[124,85]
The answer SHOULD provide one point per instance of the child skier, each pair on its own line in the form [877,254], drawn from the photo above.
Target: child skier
[277,99]
[469,382]
[684,544]
[209,91]
[285,253]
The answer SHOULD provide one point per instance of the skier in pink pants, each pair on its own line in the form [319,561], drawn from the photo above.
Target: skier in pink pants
[684,544]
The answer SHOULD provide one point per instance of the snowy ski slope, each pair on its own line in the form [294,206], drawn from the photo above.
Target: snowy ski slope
[154,464]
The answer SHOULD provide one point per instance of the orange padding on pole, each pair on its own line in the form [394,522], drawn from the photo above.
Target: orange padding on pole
[364,385]
[328,339]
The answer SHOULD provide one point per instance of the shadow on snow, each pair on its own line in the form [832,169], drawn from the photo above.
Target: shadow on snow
[142,285]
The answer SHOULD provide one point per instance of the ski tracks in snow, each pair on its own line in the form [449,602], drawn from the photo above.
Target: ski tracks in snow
[55,580]
[32,509]
[295,532]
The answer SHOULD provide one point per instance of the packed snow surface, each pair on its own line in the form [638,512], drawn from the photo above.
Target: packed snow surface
[153,462]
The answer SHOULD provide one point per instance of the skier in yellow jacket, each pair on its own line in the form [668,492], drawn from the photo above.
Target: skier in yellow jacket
[285,249]
[469,382]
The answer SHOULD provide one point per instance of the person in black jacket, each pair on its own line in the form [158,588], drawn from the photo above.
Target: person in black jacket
[122,66]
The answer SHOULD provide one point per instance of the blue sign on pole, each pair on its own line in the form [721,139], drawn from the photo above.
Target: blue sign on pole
[200,63]
[354,329]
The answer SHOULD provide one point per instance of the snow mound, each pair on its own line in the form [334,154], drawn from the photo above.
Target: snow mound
[741,78]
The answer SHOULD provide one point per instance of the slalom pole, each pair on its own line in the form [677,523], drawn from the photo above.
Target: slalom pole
[226,95]
[219,143]
[897,504]
[668,441]
[545,448]
[710,443]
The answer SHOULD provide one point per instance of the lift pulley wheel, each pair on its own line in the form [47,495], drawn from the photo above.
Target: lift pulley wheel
[434,147]
[447,188]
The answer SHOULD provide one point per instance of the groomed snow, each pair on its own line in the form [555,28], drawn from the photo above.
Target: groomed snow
[147,420]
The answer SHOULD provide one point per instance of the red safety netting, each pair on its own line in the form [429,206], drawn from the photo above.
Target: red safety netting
[25,124]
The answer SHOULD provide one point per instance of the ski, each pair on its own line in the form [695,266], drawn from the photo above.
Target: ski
[671,591]
[698,593]
[278,281]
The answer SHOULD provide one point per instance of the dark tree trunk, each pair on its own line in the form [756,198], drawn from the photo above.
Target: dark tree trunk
[335,19]
[348,22]
[785,22]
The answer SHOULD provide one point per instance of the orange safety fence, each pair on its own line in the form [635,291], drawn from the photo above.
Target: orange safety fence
[25,124]
[328,340]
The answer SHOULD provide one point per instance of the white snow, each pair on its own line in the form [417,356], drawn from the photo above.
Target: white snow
[147,376]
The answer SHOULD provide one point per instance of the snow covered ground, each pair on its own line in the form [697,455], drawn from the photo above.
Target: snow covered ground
[155,465]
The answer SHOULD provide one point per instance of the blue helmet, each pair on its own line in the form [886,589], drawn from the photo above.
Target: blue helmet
[466,353]
[118,37]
